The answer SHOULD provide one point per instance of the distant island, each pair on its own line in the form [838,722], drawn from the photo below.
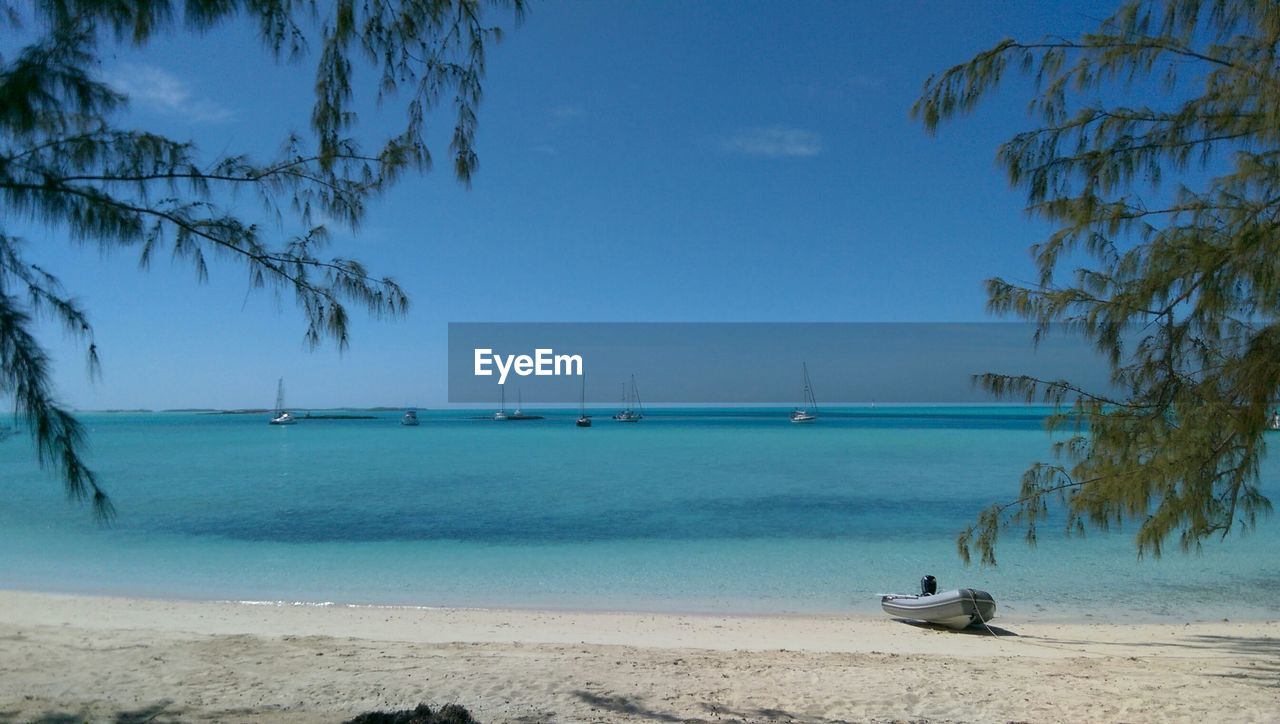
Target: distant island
[345,415]
[304,416]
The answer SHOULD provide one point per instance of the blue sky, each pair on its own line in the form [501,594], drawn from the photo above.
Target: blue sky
[657,161]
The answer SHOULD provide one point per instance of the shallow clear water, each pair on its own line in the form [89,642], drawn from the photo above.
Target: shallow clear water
[689,510]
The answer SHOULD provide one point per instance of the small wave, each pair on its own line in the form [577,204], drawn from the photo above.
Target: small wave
[315,604]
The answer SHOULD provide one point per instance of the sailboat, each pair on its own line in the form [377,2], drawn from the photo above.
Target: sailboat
[281,416]
[410,418]
[501,414]
[584,420]
[519,413]
[808,409]
[630,412]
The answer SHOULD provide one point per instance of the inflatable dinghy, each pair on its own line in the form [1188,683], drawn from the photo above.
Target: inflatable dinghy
[957,609]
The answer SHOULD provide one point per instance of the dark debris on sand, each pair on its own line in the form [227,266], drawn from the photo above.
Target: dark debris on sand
[422,714]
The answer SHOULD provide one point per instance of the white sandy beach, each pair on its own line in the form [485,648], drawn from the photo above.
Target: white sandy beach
[97,657]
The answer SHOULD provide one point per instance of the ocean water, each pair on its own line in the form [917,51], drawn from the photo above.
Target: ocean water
[690,510]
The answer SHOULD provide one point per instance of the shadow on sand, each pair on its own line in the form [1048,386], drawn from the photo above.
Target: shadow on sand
[1257,657]
[161,712]
[635,708]
[976,630]
[1251,646]
[1260,654]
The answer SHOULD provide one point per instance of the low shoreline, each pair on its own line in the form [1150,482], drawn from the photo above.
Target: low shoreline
[862,607]
[98,657]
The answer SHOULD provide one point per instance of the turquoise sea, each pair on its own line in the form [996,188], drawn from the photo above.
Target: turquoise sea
[690,510]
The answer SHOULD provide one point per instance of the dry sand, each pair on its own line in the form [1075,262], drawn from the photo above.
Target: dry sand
[77,657]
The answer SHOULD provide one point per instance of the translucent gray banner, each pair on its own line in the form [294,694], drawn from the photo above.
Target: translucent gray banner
[754,363]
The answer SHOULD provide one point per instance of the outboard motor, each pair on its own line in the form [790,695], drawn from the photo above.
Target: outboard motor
[928,586]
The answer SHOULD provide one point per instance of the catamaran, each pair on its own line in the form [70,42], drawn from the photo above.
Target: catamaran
[281,416]
[584,420]
[632,410]
[808,409]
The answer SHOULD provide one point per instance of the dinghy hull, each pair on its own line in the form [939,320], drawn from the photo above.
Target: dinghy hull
[956,609]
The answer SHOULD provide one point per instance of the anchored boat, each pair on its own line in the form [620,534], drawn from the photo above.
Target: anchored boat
[501,414]
[807,412]
[630,412]
[584,420]
[519,413]
[281,416]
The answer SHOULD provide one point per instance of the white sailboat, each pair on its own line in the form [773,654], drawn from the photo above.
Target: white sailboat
[808,409]
[281,416]
[501,414]
[519,413]
[632,410]
[584,420]
[410,418]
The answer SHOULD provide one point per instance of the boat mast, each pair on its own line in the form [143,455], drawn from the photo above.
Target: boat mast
[636,392]
[809,398]
[280,396]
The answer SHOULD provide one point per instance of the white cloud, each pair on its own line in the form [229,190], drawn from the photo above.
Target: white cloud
[164,92]
[774,142]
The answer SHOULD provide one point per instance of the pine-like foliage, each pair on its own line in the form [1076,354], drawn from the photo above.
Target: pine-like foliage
[68,163]
[1175,208]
